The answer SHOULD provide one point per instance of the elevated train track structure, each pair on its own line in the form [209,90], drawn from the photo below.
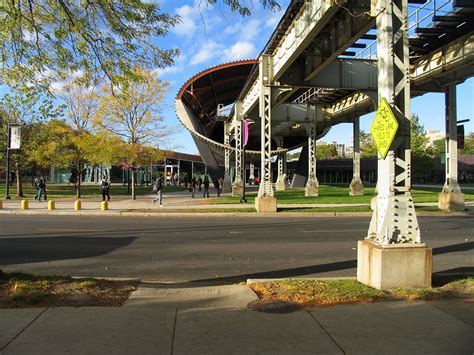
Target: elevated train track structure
[322,53]
[331,61]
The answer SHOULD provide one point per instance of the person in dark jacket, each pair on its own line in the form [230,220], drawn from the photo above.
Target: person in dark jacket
[158,188]
[105,188]
[193,185]
[205,190]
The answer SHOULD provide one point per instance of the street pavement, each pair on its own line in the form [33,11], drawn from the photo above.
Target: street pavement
[209,316]
[179,203]
[166,319]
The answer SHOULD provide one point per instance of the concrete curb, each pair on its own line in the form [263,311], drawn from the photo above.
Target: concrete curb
[171,213]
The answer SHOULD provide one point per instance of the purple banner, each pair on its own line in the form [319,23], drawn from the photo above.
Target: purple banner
[246,132]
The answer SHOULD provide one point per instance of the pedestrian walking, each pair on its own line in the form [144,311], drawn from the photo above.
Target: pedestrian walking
[220,186]
[36,185]
[158,188]
[205,191]
[40,185]
[105,188]
[193,185]
[199,184]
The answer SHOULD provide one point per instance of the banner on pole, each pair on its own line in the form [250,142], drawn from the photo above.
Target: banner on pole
[246,132]
[15,137]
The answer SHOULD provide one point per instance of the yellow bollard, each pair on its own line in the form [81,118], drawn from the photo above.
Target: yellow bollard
[104,206]
[24,204]
[77,205]
[51,205]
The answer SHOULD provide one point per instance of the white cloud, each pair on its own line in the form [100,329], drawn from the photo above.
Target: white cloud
[208,51]
[187,26]
[272,21]
[249,30]
[240,50]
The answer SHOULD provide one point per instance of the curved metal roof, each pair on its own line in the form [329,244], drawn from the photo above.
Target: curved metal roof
[217,85]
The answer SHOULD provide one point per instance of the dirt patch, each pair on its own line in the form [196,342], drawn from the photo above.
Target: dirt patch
[18,290]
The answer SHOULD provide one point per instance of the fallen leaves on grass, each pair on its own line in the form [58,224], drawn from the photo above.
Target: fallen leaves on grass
[318,293]
[18,290]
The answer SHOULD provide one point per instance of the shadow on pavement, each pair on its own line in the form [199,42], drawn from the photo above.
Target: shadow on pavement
[38,249]
[316,269]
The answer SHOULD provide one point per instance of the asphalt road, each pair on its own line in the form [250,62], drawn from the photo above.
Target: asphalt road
[206,248]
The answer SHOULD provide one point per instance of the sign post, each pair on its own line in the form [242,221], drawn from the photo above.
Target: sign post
[13,142]
[384,128]
[245,138]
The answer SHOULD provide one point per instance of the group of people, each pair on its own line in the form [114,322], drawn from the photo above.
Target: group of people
[200,185]
[203,185]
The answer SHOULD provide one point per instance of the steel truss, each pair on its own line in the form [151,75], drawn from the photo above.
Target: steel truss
[265,108]
[394,220]
[237,122]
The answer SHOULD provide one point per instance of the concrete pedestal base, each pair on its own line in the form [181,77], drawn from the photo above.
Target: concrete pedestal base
[237,191]
[227,185]
[312,190]
[280,186]
[356,188]
[451,201]
[266,204]
[393,266]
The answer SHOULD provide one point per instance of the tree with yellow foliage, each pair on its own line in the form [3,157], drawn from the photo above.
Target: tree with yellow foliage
[132,112]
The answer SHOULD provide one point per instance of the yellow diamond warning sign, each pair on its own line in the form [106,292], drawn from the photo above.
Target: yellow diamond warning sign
[384,128]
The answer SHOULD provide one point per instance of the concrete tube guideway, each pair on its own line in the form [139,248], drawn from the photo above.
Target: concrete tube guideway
[326,64]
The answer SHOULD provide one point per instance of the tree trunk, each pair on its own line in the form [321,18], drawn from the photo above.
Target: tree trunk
[133,185]
[19,186]
[78,181]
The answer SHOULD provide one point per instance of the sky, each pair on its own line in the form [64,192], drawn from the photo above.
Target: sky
[210,36]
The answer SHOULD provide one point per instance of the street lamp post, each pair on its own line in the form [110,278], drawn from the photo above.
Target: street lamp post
[7,189]
[243,199]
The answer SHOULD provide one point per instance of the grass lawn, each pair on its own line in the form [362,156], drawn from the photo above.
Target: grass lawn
[316,293]
[87,191]
[19,290]
[330,194]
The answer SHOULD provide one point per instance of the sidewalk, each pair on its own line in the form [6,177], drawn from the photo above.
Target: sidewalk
[174,202]
[166,319]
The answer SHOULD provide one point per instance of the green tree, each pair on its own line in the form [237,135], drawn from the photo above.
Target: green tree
[82,103]
[367,146]
[28,107]
[439,147]
[133,114]
[468,145]
[421,153]
[326,151]
[95,37]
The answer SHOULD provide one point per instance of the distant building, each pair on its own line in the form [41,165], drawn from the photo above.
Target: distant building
[434,135]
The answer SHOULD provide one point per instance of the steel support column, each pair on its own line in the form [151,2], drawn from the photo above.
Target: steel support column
[227,177]
[451,198]
[237,123]
[394,220]
[356,188]
[382,260]
[265,202]
[252,174]
[280,183]
[312,185]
